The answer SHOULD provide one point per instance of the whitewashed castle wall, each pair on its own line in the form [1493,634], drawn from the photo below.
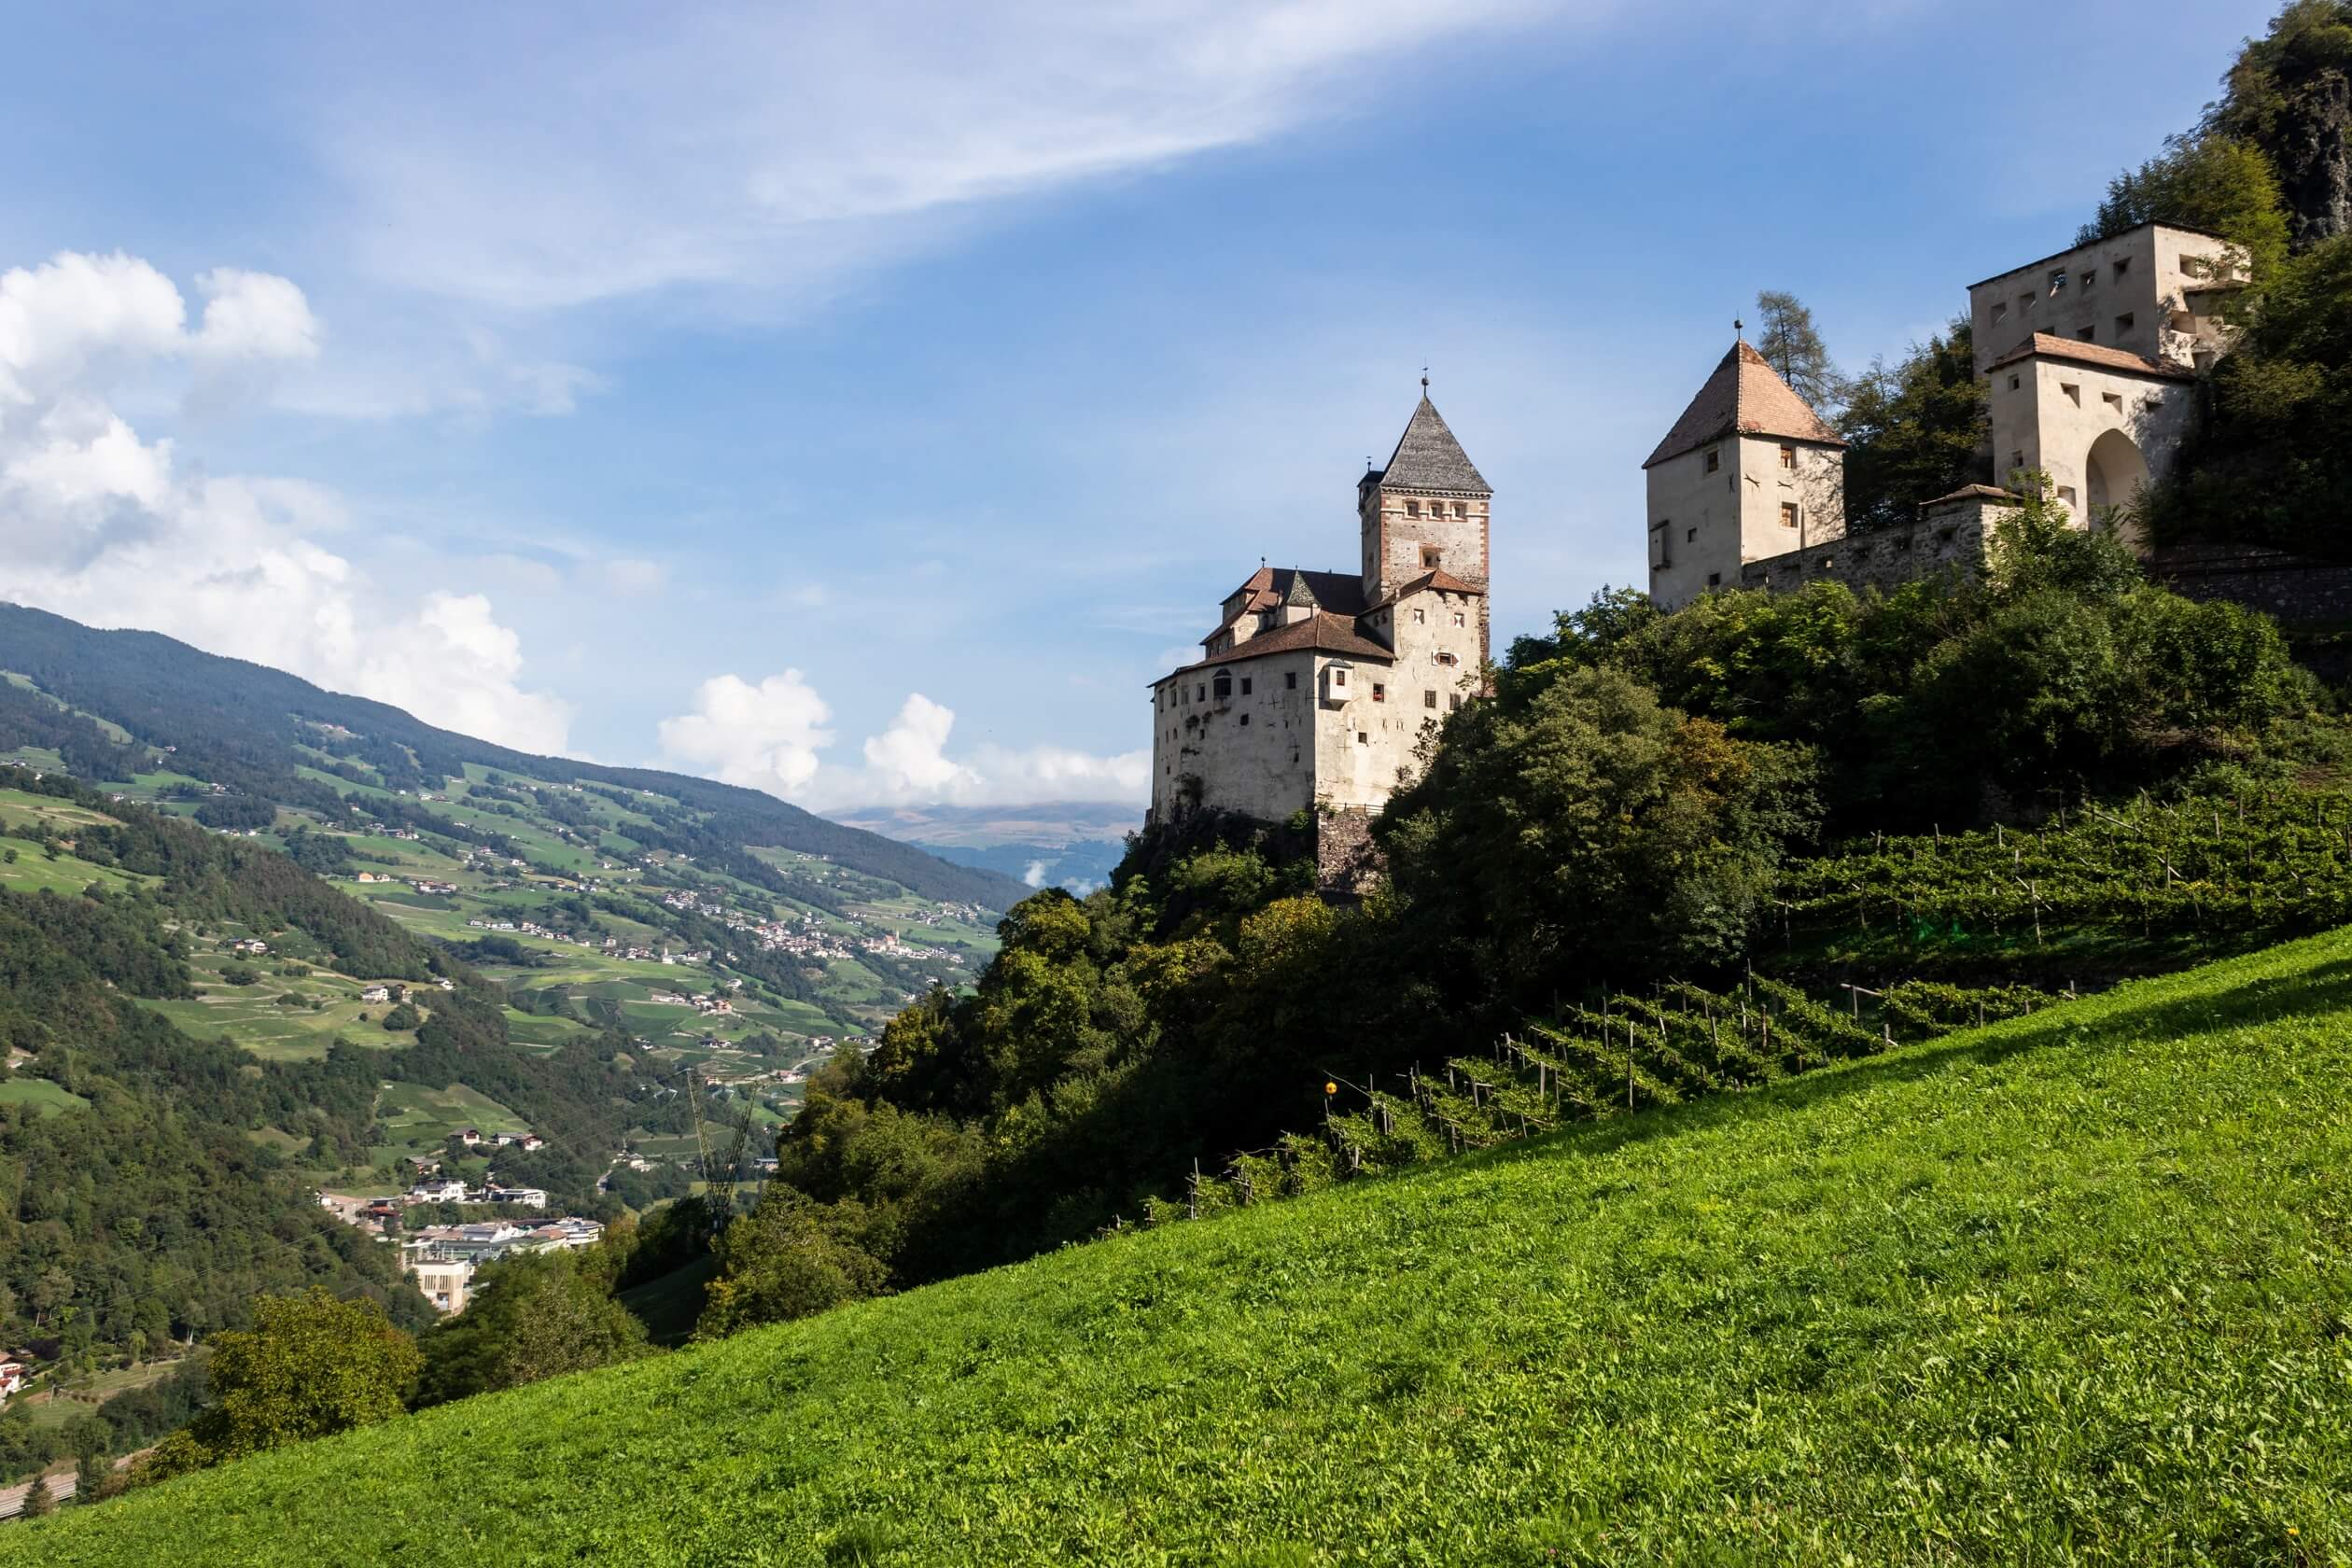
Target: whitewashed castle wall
[2158,305]
[1262,768]
[1705,527]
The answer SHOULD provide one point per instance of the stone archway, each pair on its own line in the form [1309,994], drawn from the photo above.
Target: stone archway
[2112,475]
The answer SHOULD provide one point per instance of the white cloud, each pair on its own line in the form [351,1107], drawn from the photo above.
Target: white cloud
[908,760]
[634,577]
[99,524]
[254,315]
[765,736]
[769,737]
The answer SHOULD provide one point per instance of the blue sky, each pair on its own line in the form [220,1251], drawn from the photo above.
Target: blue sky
[865,403]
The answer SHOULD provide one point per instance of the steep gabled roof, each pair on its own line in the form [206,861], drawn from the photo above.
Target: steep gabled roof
[1427,457]
[1270,586]
[1746,396]
[2041,345]
[1323,632]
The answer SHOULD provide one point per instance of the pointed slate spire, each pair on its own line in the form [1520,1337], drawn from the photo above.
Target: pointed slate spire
[1301,596]
[1427,456]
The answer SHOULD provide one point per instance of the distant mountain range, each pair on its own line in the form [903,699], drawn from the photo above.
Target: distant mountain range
[267,737]
[1057,844]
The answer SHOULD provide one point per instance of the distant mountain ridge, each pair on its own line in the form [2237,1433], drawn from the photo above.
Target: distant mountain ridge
[240,725]
[1075,844]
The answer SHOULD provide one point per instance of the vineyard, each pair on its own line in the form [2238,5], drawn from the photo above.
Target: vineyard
[2138,874]
[1624,1055]
[2100,891]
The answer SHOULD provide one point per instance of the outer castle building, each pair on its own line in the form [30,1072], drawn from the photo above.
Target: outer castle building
[1313,692]
[2089,358]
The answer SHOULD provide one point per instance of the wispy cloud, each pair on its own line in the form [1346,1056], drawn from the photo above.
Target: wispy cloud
[772,154]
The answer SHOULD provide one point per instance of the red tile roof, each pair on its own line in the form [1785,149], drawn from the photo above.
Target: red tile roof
[2042,345]
[1321,632]
[1746,396]
[1972,492]
[1441,580]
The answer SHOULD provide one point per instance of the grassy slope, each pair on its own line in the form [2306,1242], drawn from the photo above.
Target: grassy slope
[2071,1288]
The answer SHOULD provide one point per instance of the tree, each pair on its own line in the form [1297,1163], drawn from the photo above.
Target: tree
[2289,94]
[789,1258]
[90,1474]
[39,1501]
[1594,834]
[1915,431]
[308,1367]
[403,1016]
[526,1317]
[1791,343]
[2205,181]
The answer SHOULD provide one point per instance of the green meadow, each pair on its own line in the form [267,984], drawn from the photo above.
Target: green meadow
[2071,1288]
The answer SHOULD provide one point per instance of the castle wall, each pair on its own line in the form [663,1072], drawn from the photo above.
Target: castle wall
[1263,768]
[1952,536]
[1393,538]
[2160,304]
[1715,523]
[2050,414]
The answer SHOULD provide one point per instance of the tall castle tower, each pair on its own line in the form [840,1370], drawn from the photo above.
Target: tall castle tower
[1426,512]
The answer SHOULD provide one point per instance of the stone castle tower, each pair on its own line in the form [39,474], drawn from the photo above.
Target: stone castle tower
[1426,512]
[1315,690]
[1749,471]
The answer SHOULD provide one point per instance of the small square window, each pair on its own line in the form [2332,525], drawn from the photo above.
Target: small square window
[1453,702]
[1460,510]
[2000,312]
[1458,619]
[1245,685]
[1412,509]
[2012,383]
[1245,721]
[2058,281]
[2089,334]
[2017,459]
[1690,536]
[2113,400]
[1338,678]
[1788,515]
[2073,391]
[1380,692]
[2089,278]
[2123,324]
[1290,680]
[2066,493]
[1431,557]
[1715,461]
[1714,579]
[1429,699]
[1418,617]
[1788,458]
[2124,266]
[1204,694]
[1363,739]
[2025,301]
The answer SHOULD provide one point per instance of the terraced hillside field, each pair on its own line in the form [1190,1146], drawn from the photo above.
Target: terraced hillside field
[2070,1288]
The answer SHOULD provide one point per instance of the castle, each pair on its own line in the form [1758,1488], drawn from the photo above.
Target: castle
[1315,688]
[2089,355]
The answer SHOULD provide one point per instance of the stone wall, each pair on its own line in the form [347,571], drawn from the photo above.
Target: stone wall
[2296,590]
[1948,537]
[1347,864]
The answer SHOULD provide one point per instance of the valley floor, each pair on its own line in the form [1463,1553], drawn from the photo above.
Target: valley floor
[2072,1288]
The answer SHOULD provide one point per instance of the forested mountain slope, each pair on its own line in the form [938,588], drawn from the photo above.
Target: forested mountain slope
[2068,1287]
[270,736]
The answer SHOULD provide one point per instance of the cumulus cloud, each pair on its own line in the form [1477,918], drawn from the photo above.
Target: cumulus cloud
[765,736]
[770,736]
[106,525]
